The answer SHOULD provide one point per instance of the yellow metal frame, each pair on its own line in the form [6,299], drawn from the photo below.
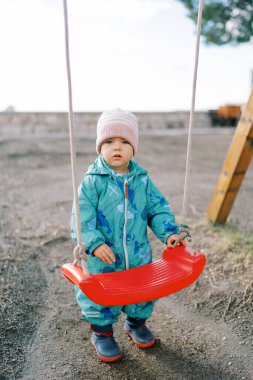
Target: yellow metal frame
[234,168]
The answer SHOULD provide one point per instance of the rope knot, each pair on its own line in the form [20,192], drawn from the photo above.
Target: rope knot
[80,255]
[79,252]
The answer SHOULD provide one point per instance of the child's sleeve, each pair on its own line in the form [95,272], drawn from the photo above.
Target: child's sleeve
[88,200]
[160,218]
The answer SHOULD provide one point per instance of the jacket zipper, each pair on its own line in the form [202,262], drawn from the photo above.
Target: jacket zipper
[125,224]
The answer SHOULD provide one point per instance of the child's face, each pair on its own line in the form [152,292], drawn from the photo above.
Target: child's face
[117,152]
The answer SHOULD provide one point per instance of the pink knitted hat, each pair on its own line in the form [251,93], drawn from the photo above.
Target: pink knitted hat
[117,123]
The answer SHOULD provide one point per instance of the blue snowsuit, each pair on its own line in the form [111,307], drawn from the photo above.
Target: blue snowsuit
[107,216]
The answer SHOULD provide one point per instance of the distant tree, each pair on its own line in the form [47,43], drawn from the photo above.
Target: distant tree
[224,21]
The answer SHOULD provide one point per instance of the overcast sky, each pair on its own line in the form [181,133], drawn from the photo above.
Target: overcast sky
[133,54]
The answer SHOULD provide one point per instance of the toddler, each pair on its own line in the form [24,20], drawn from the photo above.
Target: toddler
[117,202]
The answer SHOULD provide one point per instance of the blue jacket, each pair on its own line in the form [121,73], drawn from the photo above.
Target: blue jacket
[116,209]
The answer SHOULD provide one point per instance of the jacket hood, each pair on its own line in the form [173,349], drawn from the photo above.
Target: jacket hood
[100,167]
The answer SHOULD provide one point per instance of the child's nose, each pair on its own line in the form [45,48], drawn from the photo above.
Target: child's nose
[116,146]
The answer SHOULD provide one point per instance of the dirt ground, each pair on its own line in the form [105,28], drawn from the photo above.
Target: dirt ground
[203,332]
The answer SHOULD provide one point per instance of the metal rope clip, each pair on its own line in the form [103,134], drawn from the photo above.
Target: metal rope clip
[184,230]
[184,234]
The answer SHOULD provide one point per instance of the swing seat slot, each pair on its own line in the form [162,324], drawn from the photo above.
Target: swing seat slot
[176,270]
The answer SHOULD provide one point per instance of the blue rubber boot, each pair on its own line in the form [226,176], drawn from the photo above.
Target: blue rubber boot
[138,331]
[104,343]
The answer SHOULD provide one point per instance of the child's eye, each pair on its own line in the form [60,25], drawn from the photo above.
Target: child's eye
[126,142]
[108,141]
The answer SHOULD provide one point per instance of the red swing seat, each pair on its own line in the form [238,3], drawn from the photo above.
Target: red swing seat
[176,270]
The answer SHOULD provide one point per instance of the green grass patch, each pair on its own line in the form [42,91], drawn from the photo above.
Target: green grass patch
[233,239]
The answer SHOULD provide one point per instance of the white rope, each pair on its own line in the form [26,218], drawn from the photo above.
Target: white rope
[194,85]
[79,251]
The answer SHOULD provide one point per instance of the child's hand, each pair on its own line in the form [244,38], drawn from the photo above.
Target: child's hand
[104,253]
[173,238]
